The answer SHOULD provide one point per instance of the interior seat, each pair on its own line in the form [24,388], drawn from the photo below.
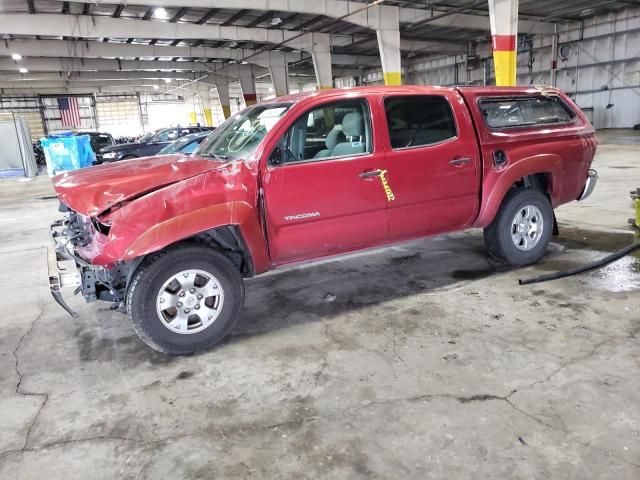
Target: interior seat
[353,130]
[333,137]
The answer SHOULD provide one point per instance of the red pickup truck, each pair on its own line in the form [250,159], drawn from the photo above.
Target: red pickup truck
[310,175]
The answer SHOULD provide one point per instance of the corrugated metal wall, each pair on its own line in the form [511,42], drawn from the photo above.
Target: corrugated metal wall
[599,65]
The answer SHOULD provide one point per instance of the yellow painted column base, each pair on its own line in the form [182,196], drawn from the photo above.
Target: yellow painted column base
[226,111]
[324,87]
[208,117]
[505,67]
[193,117]
[392,78]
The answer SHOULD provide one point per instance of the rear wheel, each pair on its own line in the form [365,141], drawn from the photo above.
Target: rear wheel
[520,232]
[185,299]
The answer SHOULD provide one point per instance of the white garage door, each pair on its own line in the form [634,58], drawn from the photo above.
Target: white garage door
[119,116]
[33,118]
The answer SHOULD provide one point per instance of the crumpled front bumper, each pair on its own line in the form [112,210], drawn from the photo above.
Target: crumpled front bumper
[63,266]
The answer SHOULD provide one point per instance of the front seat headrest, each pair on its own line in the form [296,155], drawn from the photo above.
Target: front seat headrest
[352,124]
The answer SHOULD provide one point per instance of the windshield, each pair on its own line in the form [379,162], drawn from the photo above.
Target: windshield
[145,138]
[100,141]
[239,136]
[180,145]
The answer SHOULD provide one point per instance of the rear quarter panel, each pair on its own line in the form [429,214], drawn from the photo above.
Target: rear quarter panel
[563,152]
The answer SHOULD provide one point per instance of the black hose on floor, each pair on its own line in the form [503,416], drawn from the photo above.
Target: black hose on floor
[583,268]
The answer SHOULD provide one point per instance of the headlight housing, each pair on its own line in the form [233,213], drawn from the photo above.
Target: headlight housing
[109,155]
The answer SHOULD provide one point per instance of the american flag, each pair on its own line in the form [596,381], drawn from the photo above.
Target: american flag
[69,112]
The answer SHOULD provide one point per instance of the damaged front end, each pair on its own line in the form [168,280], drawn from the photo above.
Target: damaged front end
[74,238]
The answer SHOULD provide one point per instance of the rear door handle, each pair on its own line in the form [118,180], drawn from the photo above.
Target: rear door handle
[370,173]
[458,162]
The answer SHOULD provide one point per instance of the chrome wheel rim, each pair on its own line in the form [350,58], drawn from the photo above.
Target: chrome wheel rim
[190,301]
[527,227]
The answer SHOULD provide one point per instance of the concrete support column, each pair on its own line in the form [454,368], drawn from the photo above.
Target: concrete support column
[279,70]
[388,34]
[204,92]
[503,15]
[321,56]
[193,112]
[247,84]
[222,87]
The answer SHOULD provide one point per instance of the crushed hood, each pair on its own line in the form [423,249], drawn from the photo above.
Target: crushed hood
[93,190]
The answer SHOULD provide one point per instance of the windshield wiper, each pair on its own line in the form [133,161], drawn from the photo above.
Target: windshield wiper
[213,155]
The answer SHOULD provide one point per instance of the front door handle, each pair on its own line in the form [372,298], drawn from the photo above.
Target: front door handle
[370,173]
[458,162]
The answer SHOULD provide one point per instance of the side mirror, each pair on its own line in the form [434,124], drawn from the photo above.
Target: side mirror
[276,156]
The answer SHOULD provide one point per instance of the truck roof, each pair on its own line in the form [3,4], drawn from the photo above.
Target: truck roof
[386,89]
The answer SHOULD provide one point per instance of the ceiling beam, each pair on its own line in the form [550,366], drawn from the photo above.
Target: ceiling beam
[84,83]
[36,78]
[93,49]
[365,17]
[260,19]
[234,18]
[108,27]
[84,90]
[179,14]
[118,11]
[102,64]
[285,20]
[148,14]
[208,16]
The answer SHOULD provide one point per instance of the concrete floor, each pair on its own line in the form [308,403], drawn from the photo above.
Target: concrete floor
[418,361]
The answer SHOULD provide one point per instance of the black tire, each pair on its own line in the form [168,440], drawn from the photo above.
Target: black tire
[158,268]
[129,157]
[497,236]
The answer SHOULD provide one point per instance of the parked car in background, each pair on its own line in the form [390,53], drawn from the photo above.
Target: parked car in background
[99,140]
[150,144]
[185,145]
[311,175]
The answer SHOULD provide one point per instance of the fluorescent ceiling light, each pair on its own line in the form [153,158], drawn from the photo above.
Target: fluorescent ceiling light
[156,87]
[23,70]
[167,80]
[160,13]
[16,56]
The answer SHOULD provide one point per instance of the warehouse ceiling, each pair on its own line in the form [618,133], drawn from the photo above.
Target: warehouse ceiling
[445,27]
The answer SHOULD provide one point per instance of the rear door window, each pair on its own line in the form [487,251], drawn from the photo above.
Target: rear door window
[524,111]
[419,120]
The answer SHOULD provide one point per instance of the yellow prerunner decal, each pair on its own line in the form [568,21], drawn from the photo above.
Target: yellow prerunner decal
[385,184]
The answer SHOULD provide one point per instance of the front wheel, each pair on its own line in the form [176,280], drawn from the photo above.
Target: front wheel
[185,299]
[521,231]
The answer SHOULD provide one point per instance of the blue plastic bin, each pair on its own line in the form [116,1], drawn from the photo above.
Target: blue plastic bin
[67,151]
